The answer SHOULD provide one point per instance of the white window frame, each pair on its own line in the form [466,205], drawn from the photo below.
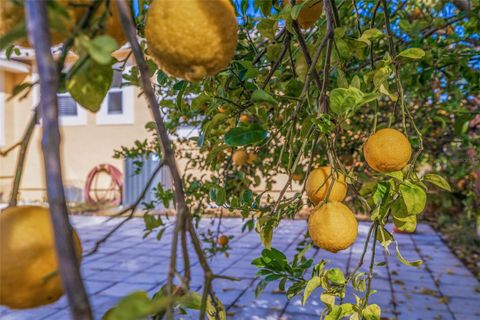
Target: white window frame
[3,128]
[67,121]
[128,104]
[78,120]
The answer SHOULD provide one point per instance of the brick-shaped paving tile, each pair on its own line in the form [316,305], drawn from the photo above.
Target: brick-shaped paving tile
[442,288]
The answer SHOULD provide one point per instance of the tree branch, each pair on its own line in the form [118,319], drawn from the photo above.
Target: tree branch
[21,159]
[38,31]
[183,218]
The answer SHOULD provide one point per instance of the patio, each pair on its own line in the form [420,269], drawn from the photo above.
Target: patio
[442,288]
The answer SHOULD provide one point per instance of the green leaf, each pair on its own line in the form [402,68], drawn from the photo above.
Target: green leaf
[220,196]
[101,49]
[401,218]
[380,192]
[414,197]
[412,53]
[267,27]
[296,10]
[260,95]
[327,299]
[339,312]
[136,305]
[245,135]
[437,180]
[88,82]
[384,237]
[395,174]
[312,284]
[359,282]
[342,100]
[335,275]
[371,34]
[260,287]
[404,261]
[371,312]
[264,228]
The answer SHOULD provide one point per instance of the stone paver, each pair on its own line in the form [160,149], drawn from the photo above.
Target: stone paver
[442,288]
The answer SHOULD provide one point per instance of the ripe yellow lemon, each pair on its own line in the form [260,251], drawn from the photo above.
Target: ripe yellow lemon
[310,13]
[112,27]
[387,150]
[12,15]
[240,157]
[252,157]
[297,177]
[191,39]
[244,118]
[61,23]
[223,240]
[28,263]
[333,227]
[317,185]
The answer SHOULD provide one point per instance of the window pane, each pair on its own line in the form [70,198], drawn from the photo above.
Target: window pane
[117,79]
[115,105]
[67,106]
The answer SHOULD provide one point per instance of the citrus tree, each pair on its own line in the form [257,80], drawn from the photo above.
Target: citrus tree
[347,103]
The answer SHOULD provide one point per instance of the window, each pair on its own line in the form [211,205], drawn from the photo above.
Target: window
[69,111]
[115,96]
[67,107]
[117,108]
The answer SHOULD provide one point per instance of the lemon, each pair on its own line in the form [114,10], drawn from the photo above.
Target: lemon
[309,14]
[191,39]
[333,227]
[297,177]
[244,118]
[28,263]
[387,150]
[240,157]
[223,240]
[317,185]
[112,27]
[12,15]
[61,23]
[252,157]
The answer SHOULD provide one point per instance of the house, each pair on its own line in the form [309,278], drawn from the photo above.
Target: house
[88,139]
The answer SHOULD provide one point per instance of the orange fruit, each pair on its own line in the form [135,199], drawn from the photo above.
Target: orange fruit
[222,240]
[317,185]
[240,157]
[333,227]
[387,150]
[28,262]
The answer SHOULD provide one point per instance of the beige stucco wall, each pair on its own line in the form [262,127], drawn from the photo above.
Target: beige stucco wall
[83,146]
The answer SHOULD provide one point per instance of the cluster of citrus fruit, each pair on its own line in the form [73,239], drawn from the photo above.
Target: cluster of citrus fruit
[332,225]
[28,262]
[240,157]
[62,21]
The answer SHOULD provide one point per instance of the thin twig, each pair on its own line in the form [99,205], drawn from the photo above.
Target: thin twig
[38,31]
[183,217]
[21,159]
[4,153]
[286,45]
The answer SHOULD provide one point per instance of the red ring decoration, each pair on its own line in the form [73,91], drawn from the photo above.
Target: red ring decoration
[117,183]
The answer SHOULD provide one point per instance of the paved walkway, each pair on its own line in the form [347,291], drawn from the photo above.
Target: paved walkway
[442,288]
